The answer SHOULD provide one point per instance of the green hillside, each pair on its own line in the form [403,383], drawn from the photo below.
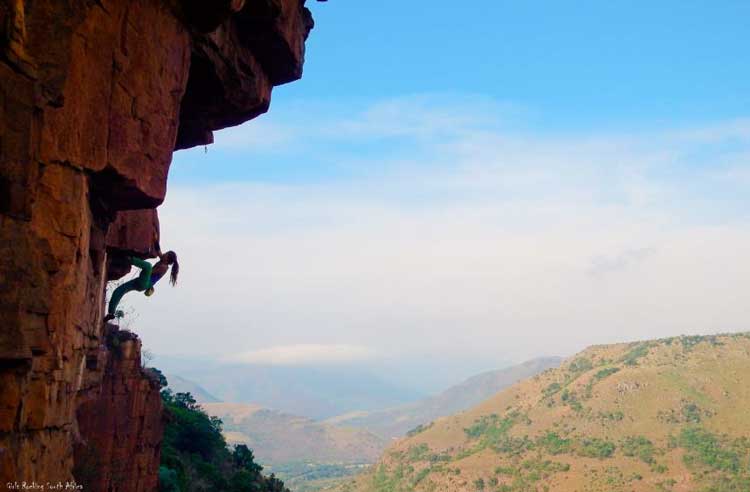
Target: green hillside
[664,415]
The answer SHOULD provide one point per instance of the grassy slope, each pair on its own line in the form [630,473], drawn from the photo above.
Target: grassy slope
[666,415]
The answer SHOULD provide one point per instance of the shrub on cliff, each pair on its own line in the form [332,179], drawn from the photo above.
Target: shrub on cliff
[195,456]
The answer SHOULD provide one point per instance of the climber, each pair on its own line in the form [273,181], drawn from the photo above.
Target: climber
[144,282]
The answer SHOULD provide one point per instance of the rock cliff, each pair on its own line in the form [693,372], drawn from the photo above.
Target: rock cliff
[120,420]
[95,95]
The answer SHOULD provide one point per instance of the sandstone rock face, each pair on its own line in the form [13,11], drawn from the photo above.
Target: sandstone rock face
[129,462]
[234,67]
[134,232]
[94,97]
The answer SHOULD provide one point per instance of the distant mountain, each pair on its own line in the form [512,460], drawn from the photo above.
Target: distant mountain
[666,415]
[315,392]
[300,451]
[396,422]
[279,438]
[181,385]
[311,455]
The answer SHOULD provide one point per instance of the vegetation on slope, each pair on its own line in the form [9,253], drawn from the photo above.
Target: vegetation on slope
[195,456]
[664,415]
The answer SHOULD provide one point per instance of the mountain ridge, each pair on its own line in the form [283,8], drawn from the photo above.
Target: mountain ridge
[311,455]
[178,384]
[657,415]
[315,392]
[397,421]
[270,434]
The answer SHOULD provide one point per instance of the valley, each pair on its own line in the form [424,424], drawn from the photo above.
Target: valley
[311,455]
[396,422]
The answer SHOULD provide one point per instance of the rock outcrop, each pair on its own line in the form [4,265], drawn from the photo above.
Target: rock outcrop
[119,419]
[95,95]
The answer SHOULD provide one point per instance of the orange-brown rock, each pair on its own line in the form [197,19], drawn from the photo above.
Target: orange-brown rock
[234,67]
[134,232]
[94,97]
[118,447]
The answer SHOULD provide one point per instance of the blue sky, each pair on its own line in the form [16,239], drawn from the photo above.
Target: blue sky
[557,67]
[583,63]
[465,185]
[578,63]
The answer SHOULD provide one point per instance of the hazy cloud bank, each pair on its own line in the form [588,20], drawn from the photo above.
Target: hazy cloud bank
[304,354]
[447,232]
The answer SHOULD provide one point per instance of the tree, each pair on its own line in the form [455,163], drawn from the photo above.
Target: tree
[244,459]
[195,456]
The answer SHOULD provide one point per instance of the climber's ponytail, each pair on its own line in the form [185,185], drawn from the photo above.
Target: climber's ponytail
[171,257]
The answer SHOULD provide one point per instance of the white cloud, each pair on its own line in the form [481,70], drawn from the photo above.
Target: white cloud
[255,135]
[475,241]
[739,173]
[304,354]
[627,259]
[421,116]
